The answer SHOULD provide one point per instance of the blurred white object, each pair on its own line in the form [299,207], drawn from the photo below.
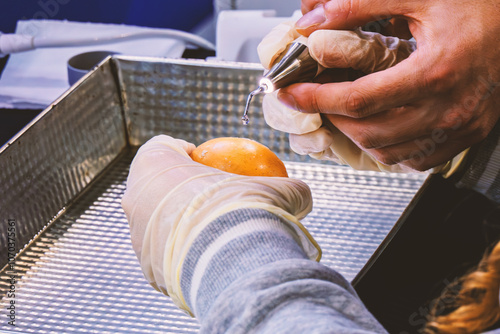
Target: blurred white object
[33,79]
[239,32]
[281,7]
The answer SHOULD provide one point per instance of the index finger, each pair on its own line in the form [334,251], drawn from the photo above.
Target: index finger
[391,88]
[347,14]
[308,5]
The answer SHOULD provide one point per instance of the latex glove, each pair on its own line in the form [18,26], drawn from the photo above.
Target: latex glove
[360,50]
[170,199]
[310,133]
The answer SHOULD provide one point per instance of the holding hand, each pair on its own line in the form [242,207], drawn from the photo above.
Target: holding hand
[341,55]
[170,199]
[429,107]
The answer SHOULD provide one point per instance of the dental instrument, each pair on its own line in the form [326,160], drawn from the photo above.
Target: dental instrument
[296,66]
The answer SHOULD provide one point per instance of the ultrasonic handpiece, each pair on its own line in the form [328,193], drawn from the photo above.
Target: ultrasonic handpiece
[297,65]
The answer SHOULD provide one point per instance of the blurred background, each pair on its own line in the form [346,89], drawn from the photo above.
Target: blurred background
[184,14]
[41,74]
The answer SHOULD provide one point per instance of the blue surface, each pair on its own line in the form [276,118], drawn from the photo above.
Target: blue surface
[180,14]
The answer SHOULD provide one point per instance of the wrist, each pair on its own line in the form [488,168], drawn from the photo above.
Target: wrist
[221,253]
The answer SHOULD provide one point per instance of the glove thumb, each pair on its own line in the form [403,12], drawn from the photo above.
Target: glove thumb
[273,45]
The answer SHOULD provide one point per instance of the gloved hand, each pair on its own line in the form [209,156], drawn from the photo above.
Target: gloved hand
[313,134]
[170,199]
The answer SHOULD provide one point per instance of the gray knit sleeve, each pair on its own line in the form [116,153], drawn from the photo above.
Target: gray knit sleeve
[245,273]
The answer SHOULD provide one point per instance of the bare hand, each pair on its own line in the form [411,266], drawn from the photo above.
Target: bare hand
[431,106]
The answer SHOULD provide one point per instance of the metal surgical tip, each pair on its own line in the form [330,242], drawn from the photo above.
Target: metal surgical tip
[295,66]
[245,118]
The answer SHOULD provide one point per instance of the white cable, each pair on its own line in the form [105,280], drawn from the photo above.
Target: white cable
[12,43]
[169,33]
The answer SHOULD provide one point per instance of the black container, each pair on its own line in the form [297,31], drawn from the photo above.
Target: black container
[440,237]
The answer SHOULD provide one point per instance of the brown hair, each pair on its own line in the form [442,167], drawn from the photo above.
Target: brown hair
[473,300]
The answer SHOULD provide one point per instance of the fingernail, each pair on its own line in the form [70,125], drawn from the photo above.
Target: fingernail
[313,18]
[288,100]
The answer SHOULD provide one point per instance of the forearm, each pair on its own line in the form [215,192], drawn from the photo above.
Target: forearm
[483,171]
[246,272]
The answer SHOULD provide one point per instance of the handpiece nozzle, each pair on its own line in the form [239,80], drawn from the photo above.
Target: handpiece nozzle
[295,66]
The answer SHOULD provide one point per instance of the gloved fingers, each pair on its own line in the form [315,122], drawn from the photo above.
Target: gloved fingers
[365,51]
[387,128]
[159,167]
[160,152]
[329,143]
[152,158]
[275,42]
[328,155]
[286,119]
[308,136]
[170,199]
[156,156]
[332,145]
[312,142]
[408,141]
[420,154]
[317,144]
[351,154]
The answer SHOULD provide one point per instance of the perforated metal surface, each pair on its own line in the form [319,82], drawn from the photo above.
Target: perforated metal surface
[81,275]
[196,101]
[60,153]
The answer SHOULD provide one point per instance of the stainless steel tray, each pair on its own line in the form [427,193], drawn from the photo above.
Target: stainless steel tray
[63,176]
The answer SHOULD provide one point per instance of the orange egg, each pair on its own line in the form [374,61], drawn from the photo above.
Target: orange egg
[239,156]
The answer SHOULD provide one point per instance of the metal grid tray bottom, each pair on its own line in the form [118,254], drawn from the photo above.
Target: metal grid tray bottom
[80,275]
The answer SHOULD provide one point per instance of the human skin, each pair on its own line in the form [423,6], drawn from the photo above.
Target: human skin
[426,109]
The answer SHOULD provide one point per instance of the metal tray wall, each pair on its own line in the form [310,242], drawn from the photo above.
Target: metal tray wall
[196,101]
[58,155]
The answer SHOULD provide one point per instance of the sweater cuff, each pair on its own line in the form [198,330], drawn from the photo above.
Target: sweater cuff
[228,248]
[483,173]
